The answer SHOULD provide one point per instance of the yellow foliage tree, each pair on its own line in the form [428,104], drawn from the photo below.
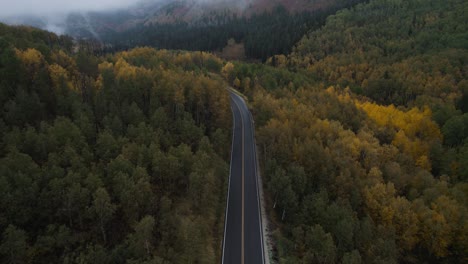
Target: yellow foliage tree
[378,199]
[406,223]
[65,61]
[123,70]
[227,70]
[59,76]
[237,83]
[32,59]
[415,130]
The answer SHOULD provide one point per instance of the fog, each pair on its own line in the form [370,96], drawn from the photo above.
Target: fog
[45,8]
[51,15]
[48,7]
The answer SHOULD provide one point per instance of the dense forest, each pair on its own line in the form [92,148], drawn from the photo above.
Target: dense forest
[362,134]
[113,159]
[211,33]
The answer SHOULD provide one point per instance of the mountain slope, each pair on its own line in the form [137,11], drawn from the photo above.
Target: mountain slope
[401,52]
[362,133]
[193,10]
[209,29]
[116,159]
[202,25]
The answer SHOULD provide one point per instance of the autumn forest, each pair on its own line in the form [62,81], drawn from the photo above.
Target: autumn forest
[122,155]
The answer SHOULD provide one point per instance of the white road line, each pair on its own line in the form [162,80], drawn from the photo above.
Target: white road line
[229,185]
[243,185]
[254,149]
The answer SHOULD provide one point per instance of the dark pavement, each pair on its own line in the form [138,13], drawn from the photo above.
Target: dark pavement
[243,241]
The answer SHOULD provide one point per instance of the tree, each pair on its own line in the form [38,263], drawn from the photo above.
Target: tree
[378,200]
[11,71]
[91,147]
[140,242]
[103,209]
[352,257]
[284,195]
[227,71]
[20,174]
[406,223]
[455,130]
[14,245]
[320,246]
[90,254]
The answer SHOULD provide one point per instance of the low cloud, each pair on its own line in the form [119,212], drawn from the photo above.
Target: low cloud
[52,15]
[47,7]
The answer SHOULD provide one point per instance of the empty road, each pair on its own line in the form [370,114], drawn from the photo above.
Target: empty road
[243,240]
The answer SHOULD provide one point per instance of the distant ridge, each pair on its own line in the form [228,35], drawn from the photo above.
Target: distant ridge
[150,12]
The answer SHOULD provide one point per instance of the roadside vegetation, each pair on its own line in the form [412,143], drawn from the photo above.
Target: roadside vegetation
[362,133]
[362,137]
[113,159]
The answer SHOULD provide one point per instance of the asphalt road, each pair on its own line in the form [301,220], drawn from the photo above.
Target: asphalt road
[243,240]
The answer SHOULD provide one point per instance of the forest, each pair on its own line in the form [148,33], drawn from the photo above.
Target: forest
[212,32]
[361,128]
[362,134]
[113,159]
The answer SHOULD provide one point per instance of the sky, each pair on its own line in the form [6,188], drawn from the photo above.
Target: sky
[45,7]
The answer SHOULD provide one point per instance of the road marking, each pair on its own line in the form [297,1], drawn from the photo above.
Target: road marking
[243,183]
[254,152]
[243,170]
[229,184]
[255,173]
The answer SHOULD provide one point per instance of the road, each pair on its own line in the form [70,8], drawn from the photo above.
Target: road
[243,239]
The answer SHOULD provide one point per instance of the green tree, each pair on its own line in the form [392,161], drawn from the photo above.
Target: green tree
[103,210]
[140,243]
[14,247]
[352,257]
[11,71]
[320,246]
[455,130]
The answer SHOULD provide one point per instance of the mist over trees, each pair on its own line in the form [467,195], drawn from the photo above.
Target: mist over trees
[212,31]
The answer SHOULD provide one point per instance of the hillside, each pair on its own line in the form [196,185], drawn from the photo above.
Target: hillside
[361,126]
[362,134]
[151,12]
[197,24]
[416,51]
[116,159]
[192,11]
[208,26]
